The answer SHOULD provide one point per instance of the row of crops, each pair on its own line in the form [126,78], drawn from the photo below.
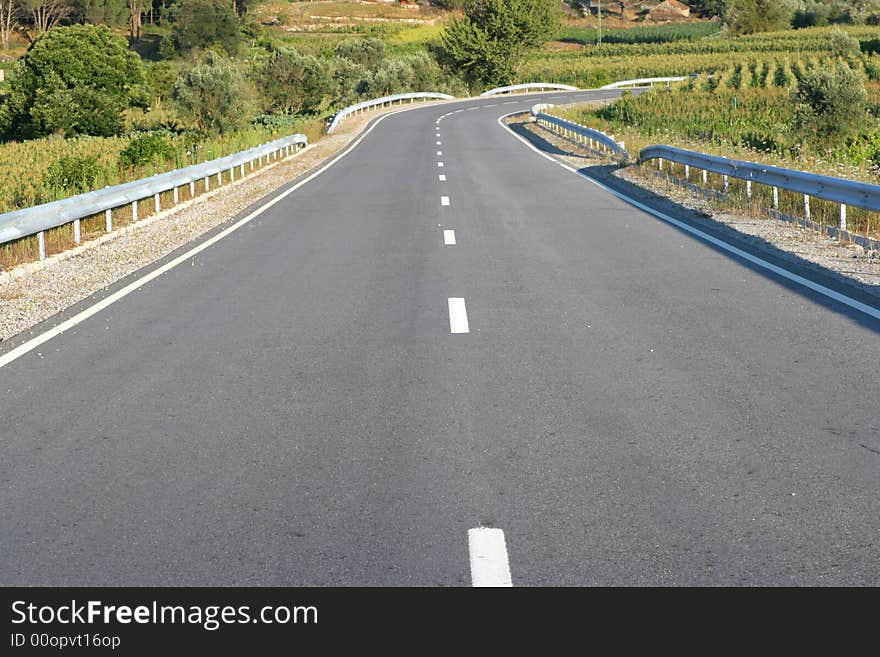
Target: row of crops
[597,65]
[743,110]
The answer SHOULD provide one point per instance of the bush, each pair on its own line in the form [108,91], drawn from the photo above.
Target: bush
[750,16]
[830,103]
[198,24]
[144,150]
[213,95]
[73,175]
[368,53]
[843,45]
[291,83]
[73,80]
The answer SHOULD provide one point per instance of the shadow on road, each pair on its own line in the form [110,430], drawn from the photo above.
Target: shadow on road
[753,245]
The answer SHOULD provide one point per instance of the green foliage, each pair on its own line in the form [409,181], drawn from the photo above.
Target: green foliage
[830,103]
[103,12]
[750,16]
[368,53]
[199,24]
[144,150]
[487,44]
[291,83]
[843,45]
[73,175]
[653,34]
[73,80]
[213,95]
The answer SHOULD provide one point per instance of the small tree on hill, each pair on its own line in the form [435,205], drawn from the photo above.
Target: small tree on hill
[291,83]
[200,24]
[750,16]
[213,95]
[488,43]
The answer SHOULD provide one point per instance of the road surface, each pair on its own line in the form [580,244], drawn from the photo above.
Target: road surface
[335,394]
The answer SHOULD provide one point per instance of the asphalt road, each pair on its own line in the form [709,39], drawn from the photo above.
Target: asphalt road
[630,405]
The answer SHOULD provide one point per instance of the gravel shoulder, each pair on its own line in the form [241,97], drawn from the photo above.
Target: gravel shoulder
[849,265]
[34,292]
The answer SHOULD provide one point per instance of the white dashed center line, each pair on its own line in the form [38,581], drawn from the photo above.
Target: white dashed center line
[439,164]
[489,566]
[438,143]
[444,200]
[439,152]
[442,177]
[449,237]
[458,321]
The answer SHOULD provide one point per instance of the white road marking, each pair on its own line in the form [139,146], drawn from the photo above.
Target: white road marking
[458,321]
[444,200]
[439,164]
[779,271]
[439,152]
[449,237]
[442,177]
[80,317]
[438,143]
[489,564]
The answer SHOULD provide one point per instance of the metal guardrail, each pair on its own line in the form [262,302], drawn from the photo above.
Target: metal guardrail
[579,133]
[641,82]
[367,104]
[838,190]
[40,218]
[528,86]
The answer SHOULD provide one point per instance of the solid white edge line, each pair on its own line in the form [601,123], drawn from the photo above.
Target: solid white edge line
[81,316]
[444,200]
[458,321]
[488,556]
[779,271]
[449,237]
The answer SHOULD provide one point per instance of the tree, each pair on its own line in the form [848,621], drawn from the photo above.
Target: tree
[830,103]
[8,22]
[135,16]
[292,83]
[203,24]
[46,14]
[73,80]
[213,95]
[487,44]
[750,16]
[100,12]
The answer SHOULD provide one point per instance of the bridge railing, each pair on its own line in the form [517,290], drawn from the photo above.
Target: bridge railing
[530,86]
[358,108]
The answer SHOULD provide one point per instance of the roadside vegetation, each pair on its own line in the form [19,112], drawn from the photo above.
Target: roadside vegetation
[98,92]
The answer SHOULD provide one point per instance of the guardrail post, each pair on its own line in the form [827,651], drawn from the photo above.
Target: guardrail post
[749,189]
[252,165]
[725,182]
[156,203]
[775,198]
[219,178]
[687,172]
[192,188]
[843,216]
[660,163]
[175,196]
[77,237]
[241,170]
[807,207]
[134,210]
[705,177]
[41,238]
[108,220]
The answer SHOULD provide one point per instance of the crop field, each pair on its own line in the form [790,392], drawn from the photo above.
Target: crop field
[593,65]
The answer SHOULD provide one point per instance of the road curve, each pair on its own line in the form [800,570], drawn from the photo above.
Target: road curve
[294,405]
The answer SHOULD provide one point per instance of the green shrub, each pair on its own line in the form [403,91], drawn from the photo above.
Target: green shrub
[73,175]
[214,96]
[830,103]
[144,150]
